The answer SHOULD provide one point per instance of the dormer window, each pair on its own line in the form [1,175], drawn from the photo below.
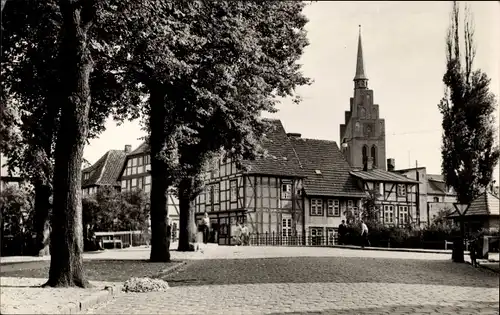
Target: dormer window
[318,172]
[286,190]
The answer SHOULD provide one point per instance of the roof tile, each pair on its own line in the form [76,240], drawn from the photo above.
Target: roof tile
[334,178]
[107,170]
[377,174]
[281,159]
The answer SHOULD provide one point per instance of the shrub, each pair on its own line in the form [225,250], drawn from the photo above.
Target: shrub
[145,285]
[110,210]
[17,216]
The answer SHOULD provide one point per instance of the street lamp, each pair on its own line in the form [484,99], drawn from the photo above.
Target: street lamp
[458,244]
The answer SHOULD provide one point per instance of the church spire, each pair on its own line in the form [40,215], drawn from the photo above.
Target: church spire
[360,79]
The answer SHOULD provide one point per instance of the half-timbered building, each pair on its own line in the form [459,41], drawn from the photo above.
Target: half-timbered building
[135,174]
[329,189]
[265,193]
[105,172]
[397,195]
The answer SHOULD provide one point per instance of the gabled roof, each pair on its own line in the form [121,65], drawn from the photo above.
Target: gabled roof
[485,204]
[107,170]
[436,177]
[142,148]
[436,187]
[281,159]
[379,175]
[326,169]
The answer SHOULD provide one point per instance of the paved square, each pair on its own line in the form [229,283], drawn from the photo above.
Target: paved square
[312,284]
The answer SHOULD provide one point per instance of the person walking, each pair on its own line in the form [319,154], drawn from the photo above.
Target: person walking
[342,231]
[237,234]
[205,227]
[364,235]
[245,233]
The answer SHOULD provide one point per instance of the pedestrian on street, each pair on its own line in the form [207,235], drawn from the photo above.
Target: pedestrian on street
[237,234]
[342,231]
[364,235]
[205,227]
[245,233]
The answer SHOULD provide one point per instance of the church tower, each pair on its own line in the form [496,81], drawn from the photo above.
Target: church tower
[362,136]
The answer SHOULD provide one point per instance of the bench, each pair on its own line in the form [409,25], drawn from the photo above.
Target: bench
[114,241]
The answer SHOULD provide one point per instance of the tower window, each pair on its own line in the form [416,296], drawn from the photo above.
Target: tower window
[374,154]
[362,112]
[365,154]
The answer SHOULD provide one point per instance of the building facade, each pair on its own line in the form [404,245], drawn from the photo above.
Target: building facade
[329,191]
[397,195]
[363,131]
[135,173]
[265,194]
[435,195]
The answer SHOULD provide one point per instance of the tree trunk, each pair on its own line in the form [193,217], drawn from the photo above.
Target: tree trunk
[160,238]
[457,254]
[42,219]
[66,264]
[187,226]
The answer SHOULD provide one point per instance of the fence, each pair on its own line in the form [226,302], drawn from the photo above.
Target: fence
[275,239]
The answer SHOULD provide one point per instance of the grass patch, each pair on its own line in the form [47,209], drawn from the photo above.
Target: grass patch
[95,270]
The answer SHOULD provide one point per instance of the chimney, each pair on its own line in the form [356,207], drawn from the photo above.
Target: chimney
[369,164]
[391,165]
[294,135]
[128,148]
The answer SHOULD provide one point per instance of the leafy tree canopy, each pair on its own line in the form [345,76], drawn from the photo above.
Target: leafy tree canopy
[469,150]
[110,210]
[31,78]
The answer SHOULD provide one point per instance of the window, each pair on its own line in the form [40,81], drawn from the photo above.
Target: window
[286,190]
[403,215]
[233,191]
[389,214]
[208,198]
[216,193]
[286,227]
[401,190]
[374,154]
[350,204]
[365,154]
[86,176]
[124,184]
[436,199]
[332,234]
[134,183]
[316,207]
[333,207]
[138,165]
[316,231]
[316,236]
[214,169]
[147,188]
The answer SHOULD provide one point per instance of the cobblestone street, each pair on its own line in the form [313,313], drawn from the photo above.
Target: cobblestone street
[318,285]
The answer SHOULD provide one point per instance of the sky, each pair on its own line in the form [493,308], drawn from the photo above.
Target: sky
[404,56]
